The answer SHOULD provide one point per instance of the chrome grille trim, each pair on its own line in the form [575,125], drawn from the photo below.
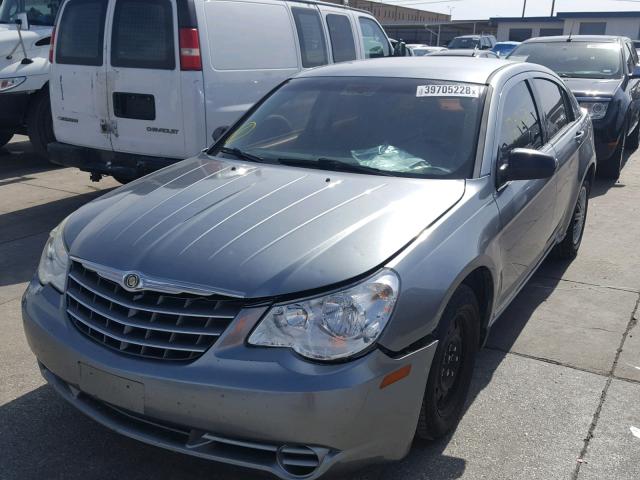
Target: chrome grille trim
[145,323]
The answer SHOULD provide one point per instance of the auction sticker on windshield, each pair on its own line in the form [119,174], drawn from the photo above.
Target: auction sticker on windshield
[448,91]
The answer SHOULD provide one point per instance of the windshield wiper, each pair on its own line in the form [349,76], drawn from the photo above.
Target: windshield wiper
[242,154]
[332,164]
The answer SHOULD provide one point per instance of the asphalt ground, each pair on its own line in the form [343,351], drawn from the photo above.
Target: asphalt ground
[556,393]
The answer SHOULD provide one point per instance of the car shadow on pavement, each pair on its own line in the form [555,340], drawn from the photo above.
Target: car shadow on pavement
[42,436]
[18,160]
[24,232]
[601,185]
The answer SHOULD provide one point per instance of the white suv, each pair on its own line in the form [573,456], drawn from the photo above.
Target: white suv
[139,84]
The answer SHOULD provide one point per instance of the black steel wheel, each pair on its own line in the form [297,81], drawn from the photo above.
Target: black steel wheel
[452,366]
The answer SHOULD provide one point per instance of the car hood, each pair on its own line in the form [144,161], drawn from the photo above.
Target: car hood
[589,87]
[252,230]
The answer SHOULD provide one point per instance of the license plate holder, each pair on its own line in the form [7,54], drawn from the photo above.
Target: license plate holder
[119,391]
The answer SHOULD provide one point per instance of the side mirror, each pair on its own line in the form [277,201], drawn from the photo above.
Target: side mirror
[22,21]
[400,50]
[219,132]
[527,164]
[636,73]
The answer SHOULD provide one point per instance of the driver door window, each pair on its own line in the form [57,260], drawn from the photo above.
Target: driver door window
[520,123]
[375,41]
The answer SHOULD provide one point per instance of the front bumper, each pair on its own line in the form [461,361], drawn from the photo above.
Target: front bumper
[246,406]
[106,162]
[13,110]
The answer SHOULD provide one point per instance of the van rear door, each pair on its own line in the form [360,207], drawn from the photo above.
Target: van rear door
[77,79]
[144,81]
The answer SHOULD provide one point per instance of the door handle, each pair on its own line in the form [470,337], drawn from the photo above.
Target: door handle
[579,135]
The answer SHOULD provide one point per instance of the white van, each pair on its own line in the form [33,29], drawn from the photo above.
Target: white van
[139,84]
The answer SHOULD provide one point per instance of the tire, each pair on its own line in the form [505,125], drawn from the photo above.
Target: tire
[452,367]
[611,167]
[633,141]
[5,137]
[39,123]
[568,248]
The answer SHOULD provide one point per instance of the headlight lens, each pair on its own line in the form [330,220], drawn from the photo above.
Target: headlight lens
[9,83]
[54,260]
[333,326]
[597,110]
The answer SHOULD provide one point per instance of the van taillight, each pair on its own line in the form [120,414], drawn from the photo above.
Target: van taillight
[51,44]
[190,49]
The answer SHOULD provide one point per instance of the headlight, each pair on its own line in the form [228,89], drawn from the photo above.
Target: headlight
[597,110]
[54,260]
[333,326]
[9,83]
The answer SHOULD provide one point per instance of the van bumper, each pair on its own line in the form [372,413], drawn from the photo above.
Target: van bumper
[106,162]
[250,407]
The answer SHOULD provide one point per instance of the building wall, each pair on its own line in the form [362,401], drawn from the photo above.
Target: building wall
[392,14]
[504,28]
[626,27]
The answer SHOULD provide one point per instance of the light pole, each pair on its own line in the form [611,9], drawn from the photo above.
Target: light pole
[524,7]
[553,7]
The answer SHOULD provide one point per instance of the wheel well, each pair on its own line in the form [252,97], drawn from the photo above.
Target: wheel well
[481,282]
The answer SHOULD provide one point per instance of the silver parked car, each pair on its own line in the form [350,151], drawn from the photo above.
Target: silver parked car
[312,291]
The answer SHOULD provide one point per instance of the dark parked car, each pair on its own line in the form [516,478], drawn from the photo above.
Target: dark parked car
[464,53]
[310,293]
[603,73]
[482,42]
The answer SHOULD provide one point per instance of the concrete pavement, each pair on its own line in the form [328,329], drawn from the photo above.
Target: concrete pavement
[556,394]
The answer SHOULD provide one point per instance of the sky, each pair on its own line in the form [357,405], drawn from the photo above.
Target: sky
[483,9]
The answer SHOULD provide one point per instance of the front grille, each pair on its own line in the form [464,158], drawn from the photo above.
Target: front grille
[147,324]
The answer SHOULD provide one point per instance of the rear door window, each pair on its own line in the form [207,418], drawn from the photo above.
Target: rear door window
[343,47]
[554,106]
[313,48]
[80,37]
[143,35]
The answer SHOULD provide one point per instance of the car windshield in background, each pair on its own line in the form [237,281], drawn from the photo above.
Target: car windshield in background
[573,59]
[421,52]
[390,126]
[464,43]
[39,12]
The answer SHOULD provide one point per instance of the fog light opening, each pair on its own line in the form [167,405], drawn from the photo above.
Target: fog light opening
[298,460]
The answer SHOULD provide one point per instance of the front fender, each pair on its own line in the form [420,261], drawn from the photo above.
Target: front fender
[439,260]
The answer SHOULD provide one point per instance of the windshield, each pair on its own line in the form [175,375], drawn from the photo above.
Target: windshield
[573,59]
[39,12]
[420,52]
[503,49]
[464,43]
[398,126]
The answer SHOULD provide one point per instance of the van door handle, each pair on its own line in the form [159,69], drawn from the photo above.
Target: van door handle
[579,135]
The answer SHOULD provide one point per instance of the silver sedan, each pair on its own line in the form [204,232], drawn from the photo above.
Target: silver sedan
[311,292]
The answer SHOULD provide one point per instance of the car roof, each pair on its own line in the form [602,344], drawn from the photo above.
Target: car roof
[455,69]
[456,52]
[575,38]
[508,42]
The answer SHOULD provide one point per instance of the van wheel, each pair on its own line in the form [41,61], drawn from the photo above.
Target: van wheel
[5,137]
[39,123]
[611,167]
[568,248]
[452,366]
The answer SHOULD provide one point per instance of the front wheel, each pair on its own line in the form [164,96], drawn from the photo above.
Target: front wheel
[452,367]
[40,123]
[633,142]
[5,137]
[568,248]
